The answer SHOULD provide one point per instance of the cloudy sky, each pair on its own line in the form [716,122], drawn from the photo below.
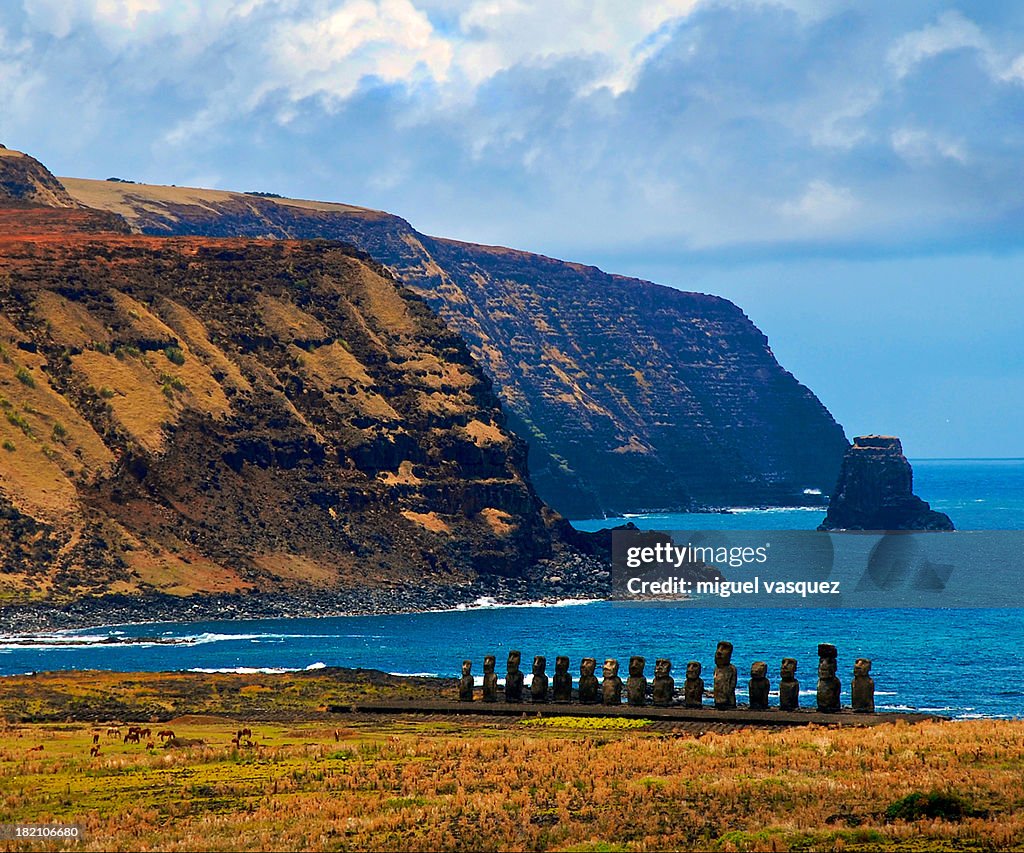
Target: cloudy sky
[850,173]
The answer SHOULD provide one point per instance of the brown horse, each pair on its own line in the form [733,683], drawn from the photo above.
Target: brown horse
[131,737]
[166,733]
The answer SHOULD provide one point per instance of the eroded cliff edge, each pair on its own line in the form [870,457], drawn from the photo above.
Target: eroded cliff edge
[631,395]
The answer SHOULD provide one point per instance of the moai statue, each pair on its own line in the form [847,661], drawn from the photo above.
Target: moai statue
[589,693]
[466,682]
[636,684]
[611,687]
[562,681]
[725,677]
[514,678]
[490,680]
[664,685]
[539,687]
[693,687]
[863,688]
[759,686]
[829,688]
[789,687]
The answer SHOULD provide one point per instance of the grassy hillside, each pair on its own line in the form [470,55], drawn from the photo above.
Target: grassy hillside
[207,416]
[630,395]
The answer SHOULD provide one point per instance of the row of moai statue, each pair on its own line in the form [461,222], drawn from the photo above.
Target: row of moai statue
[663,687]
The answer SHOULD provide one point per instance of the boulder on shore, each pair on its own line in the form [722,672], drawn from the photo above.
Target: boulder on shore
[876,491]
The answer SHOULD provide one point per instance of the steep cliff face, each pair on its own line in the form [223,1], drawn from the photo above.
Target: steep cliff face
[209,415]
[876,491]
[25,181]
[632,396]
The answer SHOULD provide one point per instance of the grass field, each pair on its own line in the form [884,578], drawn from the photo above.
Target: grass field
[311,780]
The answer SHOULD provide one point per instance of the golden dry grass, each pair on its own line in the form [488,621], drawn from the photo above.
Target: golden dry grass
[393,785]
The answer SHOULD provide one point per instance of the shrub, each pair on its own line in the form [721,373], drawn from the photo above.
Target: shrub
[931,805]
[25,378]
[169,384]
[106,393]
[123,350]
[8,445]
[18,420]
[175,355]
[59,432]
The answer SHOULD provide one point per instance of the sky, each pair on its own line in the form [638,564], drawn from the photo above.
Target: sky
[849,172]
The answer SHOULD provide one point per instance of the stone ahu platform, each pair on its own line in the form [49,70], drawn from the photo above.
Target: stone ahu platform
[737,716]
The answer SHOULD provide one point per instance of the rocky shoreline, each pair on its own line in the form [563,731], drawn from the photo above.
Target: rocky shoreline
[548,581]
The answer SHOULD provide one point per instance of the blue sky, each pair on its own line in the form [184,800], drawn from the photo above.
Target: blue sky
[850,173]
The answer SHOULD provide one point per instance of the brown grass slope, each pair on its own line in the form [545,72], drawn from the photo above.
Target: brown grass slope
[198,415]
[630,395]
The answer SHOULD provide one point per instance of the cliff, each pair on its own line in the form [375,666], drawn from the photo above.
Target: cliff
[876,491]
[198,415]
[631,395]
[25,181]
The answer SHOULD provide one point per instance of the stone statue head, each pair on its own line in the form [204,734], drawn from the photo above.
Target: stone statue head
[758,669]
[862,666]
[662,667]
[587,666]
[636,665]
[611,668]
[467,667]
[488,663]
[693,669]
[788,670]
[539,663]
[723,654]
[827,668]
[827,650]
[514,658]
[561,664]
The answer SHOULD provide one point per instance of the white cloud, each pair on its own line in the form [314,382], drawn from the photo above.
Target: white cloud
[821,203]
[330,54]
[920,147]
[952,31]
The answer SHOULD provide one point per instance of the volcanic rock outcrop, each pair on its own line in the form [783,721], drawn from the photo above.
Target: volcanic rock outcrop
[876,491]
[631,396]
[24,180]
[197,415]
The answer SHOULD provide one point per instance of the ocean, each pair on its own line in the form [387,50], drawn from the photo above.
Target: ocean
[958,663]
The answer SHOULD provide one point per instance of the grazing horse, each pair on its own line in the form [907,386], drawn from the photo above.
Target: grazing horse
[95,739]
[131,737]
[245,733]
[145,733]
[114,731]
[166,733]
[94,751]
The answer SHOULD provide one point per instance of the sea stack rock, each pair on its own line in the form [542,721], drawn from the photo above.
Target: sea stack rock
[876,491]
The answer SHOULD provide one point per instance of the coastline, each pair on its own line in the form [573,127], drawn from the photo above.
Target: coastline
[576,578]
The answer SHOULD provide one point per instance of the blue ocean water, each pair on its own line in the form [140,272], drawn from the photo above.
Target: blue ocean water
[961,663]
